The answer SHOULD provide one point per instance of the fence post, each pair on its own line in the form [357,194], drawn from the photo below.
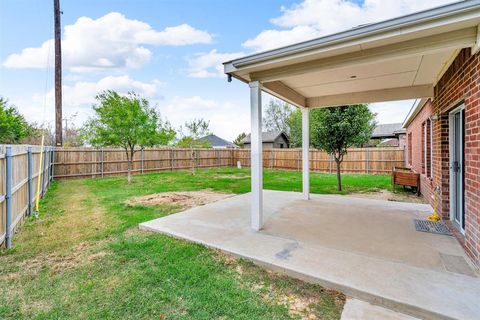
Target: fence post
[49,165]
[273,158]
[8,196]
[52,164]
[30,174]
[367,156]
[142,155]
[43,170]
[298,160]
[101,163]
[171,159]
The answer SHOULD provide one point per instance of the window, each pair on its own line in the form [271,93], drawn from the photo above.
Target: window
[409,155]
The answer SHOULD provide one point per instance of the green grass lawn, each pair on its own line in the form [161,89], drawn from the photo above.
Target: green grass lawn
[84,257]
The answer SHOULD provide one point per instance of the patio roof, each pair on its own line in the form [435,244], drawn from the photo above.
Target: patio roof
[397,59]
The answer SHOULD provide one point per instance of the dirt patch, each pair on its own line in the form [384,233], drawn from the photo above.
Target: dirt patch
[298,306]
[232,176]
[390,196]
[186,199]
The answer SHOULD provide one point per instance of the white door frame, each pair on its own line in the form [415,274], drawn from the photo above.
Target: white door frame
[451,142]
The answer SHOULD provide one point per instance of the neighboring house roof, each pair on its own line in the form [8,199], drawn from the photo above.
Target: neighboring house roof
[216,141]
[387,130]
[268,136]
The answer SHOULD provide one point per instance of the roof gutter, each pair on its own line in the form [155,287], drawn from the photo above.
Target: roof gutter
[359,32]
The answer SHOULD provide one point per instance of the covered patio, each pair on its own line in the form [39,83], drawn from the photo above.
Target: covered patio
[398,59]
[366,248]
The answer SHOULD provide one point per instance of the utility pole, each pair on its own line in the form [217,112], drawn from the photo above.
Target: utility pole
[58,74]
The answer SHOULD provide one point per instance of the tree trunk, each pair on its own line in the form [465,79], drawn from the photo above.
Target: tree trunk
[129,171]
[130,164]
[339,178]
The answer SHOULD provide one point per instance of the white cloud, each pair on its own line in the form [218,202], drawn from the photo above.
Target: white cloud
[109,42]
[314,18]
[209,65]
[227,119]
[79,97]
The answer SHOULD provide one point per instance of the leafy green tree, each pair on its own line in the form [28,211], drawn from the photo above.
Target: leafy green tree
[127,122]
[336,129]
[238,140]
[13,126]
[276,116]
[191,137]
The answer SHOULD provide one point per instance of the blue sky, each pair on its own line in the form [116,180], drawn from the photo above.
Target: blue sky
[168,51]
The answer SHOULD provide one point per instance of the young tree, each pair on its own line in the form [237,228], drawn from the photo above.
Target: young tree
[336,129]
[238,140]
[13,126]
[127,122]
[196,129]
[276,116]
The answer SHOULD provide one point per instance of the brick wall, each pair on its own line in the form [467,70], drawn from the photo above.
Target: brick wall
[416,163]
[460,84]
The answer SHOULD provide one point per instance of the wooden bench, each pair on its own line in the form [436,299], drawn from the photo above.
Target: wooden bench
[405,177]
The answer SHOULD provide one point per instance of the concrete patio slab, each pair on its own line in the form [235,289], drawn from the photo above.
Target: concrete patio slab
[366,248]
[356,309]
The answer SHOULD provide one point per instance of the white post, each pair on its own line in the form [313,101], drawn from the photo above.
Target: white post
[256,155]
[305,154]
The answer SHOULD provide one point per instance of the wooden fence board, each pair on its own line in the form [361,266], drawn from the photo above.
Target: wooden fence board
[84,162]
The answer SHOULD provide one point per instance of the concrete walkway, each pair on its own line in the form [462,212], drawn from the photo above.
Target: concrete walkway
[366,248]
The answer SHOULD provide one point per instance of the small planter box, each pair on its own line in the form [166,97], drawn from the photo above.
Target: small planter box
[405,177]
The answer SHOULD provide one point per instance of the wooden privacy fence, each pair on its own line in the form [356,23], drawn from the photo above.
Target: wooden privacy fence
[89,162]
[19,173]
[357,160]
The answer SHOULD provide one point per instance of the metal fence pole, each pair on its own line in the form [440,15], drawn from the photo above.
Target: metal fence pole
[52,166]
[8,196]
[30,179]
[101,164]
[43,171]
[49,166]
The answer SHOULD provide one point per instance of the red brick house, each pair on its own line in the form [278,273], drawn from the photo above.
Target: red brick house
[443,145]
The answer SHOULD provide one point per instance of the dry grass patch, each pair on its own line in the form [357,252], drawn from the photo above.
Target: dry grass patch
[302,300]
[185,199]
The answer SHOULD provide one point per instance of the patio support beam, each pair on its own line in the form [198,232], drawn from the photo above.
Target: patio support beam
[256,155]
[403,93]
[305,153]
[284,92]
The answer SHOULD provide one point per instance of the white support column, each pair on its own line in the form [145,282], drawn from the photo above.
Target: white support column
[306,153]
[256,155]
